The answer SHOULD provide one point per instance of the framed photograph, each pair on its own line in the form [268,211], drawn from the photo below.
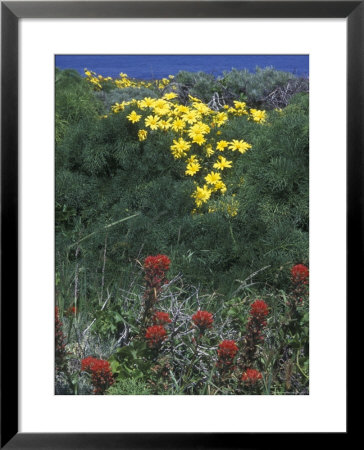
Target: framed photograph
[180,220]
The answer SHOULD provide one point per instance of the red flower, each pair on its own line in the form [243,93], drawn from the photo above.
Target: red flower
[257,320]
[259,309]
[88,363]
[155,268]
[226,353]
[161,318]
[155,335]
[101,375]
[299,274]
[203,320]
[158,263]
[251,376]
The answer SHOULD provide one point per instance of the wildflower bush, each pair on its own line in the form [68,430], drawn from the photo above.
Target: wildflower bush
[181,235]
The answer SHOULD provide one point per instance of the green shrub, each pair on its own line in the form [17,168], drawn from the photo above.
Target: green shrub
[266,88]
[74,101]
[129,386]
[199,84]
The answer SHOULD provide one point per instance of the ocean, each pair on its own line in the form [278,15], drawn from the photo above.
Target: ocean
[158,66]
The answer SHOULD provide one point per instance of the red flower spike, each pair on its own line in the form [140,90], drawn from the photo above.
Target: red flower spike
[251,376]
[158,263]
[256,322]
[101,375]
[226,353]
[155,336]
[299,274]
[155,268]
[259,309]
[203,320]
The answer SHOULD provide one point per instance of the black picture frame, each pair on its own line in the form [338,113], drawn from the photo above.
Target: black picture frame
[11,12]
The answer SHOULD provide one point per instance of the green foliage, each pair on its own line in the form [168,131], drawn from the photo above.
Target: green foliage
[200,84]
[254,85]
[129,386]
[266,88]
[74,101]
[131,361]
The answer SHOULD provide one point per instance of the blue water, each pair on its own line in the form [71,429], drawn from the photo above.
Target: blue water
[158,66]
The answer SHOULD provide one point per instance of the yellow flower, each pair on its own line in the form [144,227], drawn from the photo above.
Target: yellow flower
[178,125]
[134,117]
[239,109]
[201,108]
[220,185]
[220,118]
[222,164]
[258,116]
[180,148]
[181,109]
[95,81]
[165,124]
[201,195]
[241,145]
[221,145]
[118,107]
[170,95]
[213,178]
[209,151]
[198,128]
[147,102]
[198,138]
[239,105]
[161,107]
[142,135]
[191,116]
[192,158]
[192,168]
[162,111]
[152,122]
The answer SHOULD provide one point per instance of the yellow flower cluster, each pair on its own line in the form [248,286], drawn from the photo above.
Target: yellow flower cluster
[124,81]
[96,80]
[195,131]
